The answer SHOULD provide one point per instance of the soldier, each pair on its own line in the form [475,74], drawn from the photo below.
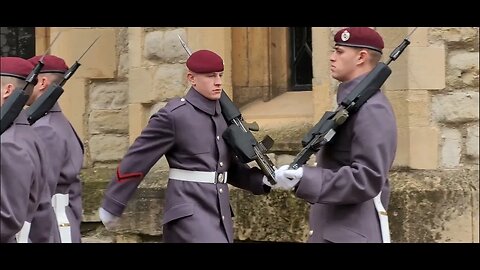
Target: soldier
[353,169]
[65,153]
[24,164]
[188,131]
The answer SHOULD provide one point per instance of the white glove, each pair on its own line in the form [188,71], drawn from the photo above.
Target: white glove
[287,178]
[109,221]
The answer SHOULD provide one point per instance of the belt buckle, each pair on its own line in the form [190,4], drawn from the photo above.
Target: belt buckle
[220,178]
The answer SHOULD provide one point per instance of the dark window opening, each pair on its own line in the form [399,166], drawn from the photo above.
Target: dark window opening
[301,61]
[17,41]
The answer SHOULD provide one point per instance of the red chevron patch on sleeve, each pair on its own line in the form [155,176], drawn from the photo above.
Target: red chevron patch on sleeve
[127,176]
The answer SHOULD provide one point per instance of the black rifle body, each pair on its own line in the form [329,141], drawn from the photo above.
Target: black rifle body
[46,101]
[15,103]
[241,140]
[12,108]
[326,128]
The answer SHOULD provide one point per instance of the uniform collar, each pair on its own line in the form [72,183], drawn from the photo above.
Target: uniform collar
[206,105]
[346,88]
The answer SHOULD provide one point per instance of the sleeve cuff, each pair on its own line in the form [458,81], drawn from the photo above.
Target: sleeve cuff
[114,207]
[309,187]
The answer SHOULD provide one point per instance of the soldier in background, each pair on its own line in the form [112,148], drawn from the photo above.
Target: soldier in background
[24,164]
[65,150]
[188,131]
[350,183]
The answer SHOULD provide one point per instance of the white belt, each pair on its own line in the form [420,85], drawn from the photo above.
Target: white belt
[197,176]
[22,235]
[383,217]
[59,203]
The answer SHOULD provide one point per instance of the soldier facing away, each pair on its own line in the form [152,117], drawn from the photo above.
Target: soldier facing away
[24,167]
[65,150]
[188,131]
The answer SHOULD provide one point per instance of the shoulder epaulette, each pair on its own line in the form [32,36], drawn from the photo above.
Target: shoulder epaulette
[175,104]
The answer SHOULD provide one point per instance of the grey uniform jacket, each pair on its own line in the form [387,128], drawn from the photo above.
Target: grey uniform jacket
[188,132]
[24,172]
[65,151]
[350,172]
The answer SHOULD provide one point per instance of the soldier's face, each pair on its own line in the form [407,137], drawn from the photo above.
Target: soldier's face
[208,85]
[343,63]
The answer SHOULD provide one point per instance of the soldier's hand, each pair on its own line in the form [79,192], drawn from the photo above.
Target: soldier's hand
[109,220]
[287,178]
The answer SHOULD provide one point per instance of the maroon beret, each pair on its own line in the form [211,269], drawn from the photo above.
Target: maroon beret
[361,37]
[205,61]
[52,64]
[15,67]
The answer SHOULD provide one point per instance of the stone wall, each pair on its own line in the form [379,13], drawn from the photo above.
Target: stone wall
[435,185]
[456,108]
[425,207]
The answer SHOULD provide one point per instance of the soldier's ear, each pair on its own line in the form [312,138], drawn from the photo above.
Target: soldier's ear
[362,56]
[8,90]
[43,81]
[191,78]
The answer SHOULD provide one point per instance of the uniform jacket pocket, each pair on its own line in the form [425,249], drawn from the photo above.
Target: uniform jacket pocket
[341,234]
[177,211]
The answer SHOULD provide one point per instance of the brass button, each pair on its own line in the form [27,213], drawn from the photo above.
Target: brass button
[223,217]
[182,99]
[220,178]
[310,232]
[220,190]
[218,138]
[221,164]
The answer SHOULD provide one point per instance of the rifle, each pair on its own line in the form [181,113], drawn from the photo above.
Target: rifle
[240,139]
[15,103]
[46,101]
[326,128]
